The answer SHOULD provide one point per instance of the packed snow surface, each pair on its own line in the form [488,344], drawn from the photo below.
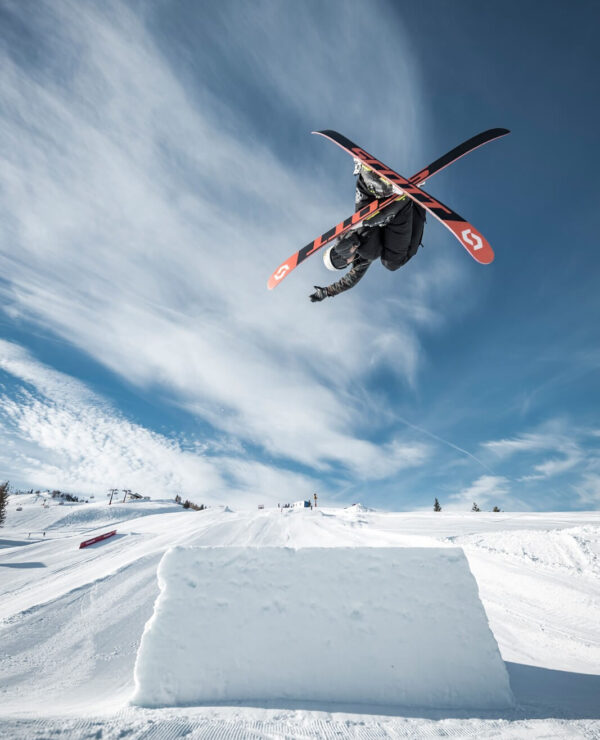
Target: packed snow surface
[71,621]
[389,626]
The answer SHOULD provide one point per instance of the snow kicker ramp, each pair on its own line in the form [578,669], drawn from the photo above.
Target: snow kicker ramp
[385,626]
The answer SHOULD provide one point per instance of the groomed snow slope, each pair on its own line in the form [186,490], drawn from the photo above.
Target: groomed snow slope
[386,626]
[71,620]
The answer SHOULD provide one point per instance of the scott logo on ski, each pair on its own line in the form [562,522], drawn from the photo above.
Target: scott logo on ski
[281,272]
[472,239]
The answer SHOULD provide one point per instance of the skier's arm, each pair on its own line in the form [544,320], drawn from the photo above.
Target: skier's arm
[349,280]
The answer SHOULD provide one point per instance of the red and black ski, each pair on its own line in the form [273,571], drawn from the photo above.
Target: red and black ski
[377,205]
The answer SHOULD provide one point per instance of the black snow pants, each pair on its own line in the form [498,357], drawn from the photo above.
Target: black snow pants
[396,241]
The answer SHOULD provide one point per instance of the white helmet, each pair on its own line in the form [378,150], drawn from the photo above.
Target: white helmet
[327,259]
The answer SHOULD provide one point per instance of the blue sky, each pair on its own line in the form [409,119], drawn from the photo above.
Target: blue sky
[157,166]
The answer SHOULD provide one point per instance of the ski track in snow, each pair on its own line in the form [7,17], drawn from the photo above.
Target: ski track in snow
[71,620]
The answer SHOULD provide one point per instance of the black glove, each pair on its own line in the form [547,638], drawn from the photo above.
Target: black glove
[319,294]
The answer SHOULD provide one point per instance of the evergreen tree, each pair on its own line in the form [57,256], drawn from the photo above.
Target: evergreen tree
[495,508]
[3,501]
[436,505]
[475,507]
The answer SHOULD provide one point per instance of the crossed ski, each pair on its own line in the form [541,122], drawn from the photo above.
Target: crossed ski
[467,235]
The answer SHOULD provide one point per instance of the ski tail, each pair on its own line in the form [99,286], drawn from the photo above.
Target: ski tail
[459,151]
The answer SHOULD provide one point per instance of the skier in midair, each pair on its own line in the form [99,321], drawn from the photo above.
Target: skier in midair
[393,235]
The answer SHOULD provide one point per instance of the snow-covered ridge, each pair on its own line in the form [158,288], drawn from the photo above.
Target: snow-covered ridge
[575,550]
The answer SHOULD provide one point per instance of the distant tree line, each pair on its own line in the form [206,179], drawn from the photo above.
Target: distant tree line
[187,504]
[65,496]
[4,489]
[475,507]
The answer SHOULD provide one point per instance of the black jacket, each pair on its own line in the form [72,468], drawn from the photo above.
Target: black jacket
[392,235]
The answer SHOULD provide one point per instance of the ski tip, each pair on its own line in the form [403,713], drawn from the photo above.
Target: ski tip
[284,269]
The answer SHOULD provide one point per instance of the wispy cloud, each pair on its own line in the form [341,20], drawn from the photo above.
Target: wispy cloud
[143,216]
[588,490]
[56,432]
[528,442]
[486,491]
[556,466]
[554,438]
[547,453]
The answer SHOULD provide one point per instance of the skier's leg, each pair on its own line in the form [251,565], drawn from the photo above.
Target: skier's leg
[371,243]
[397,239]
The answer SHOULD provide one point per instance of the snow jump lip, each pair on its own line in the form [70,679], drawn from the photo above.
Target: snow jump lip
[366,625]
